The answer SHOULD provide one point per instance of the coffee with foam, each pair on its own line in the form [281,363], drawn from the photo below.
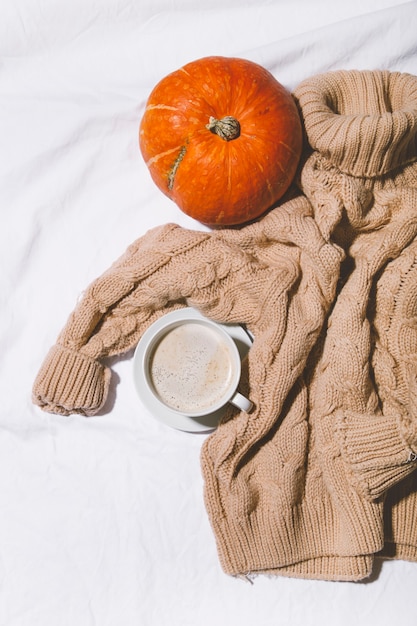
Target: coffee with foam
[192,368]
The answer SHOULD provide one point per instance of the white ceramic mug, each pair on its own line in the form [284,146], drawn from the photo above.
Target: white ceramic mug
[193,367]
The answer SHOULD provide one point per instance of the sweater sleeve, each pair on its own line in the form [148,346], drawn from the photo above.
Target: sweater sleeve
[108,320]
[364,396]
[362,128]
[381,446]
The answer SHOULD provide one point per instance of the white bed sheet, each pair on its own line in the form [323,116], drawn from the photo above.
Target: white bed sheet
[102,521]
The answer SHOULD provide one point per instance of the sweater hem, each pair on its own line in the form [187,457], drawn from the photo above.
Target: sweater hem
[295,544]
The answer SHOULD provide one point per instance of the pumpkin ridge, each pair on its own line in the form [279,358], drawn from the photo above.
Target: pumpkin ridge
[160,107]
[270,188]
[175,166]
[206,101]
[161,155]
[294,152]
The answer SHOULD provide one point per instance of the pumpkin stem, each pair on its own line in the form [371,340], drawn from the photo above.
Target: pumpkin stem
[227,128]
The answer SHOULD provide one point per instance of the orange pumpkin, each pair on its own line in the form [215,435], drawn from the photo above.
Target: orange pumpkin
[222,138]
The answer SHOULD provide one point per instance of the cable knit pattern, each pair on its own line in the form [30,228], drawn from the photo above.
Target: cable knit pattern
[365,380]
[326,282]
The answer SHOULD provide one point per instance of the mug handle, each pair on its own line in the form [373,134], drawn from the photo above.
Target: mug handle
[240,402]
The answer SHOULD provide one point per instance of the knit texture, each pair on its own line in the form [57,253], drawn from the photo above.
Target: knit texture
[326,282]
[367,398]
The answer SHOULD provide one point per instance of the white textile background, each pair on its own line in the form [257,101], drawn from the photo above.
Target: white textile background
[102,521]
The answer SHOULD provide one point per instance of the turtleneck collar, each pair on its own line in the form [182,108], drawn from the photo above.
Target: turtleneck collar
[364,122]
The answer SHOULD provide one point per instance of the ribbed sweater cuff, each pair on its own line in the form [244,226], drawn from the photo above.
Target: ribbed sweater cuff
[401,521]
[376,452]
[69,382]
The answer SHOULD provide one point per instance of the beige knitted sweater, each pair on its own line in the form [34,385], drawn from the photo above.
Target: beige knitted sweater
[320,476]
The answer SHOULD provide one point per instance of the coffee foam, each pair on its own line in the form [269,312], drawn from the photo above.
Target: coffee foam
[191,368]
